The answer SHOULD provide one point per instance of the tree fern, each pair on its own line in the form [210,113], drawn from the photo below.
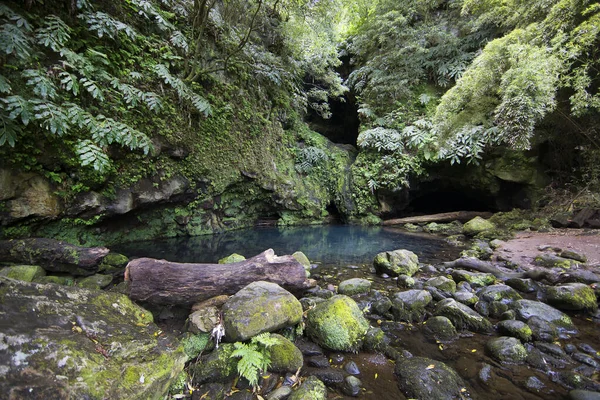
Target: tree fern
[54,34]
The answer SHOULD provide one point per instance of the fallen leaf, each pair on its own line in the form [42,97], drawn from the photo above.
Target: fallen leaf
[430,366]
[474,351]
[376,375]
[441,347]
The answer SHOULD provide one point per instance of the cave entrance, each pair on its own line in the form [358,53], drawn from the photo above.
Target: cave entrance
[342,127]
[447,201]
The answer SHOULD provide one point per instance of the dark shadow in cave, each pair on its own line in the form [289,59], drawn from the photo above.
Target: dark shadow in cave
[343,125]
[448,201]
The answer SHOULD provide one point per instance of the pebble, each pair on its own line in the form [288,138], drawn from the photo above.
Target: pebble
[351,386]
[319,361]
[585,359]
[351,368]
[534,383]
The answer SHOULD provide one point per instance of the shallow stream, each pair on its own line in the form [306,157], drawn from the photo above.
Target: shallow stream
[343,252]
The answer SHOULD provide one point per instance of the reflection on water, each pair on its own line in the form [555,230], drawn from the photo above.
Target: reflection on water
[333,244]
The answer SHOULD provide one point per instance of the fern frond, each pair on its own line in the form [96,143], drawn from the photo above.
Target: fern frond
[69,82]
[42,84]
[13,40]
[51,117]
[9,130]
[92,88]
[178,40]
[54,34]
[17,107]
[90,154]
[4,85]
[103,24]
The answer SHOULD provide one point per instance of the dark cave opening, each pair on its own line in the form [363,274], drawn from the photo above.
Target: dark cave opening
[447,201]
[342,127]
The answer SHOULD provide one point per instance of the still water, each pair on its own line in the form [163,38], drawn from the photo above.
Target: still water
[327,245]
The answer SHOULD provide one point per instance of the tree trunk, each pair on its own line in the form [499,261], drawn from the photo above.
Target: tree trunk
[169,283]
[462,216]
[53,255]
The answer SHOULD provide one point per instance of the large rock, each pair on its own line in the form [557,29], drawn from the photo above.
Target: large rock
[27,195]
[500,293]
[337,324]
[27,273]
[59,342]
[423,378]
[312,388]
[351,287]
[506,349]
[475,279]
[462,316]
[477,225]
[527,309]
[396,262]
[216,366]
[259,307]
[410,305]
[285,356]
[573,296]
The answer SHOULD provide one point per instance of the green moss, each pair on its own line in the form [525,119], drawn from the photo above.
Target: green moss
[233,258]
[27,273]
[285,356]
[195,344]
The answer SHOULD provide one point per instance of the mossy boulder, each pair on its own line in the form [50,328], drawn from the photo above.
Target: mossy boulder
[26,273]
[96,281]
[550,260]
[302,259]
[514,328]
[232,258]
[351,287]
[410,305]
[506,349]
[50,335]
[475,279]
[312,388]
[194,344]
[397,262]
[477,225]
[113,263]
[462,317]
[66,280]
[442,283]
[499,293]
[259,307]
[440,329]
[527,309]
[337,324]
[424,378]
[572,296]
[285,356]
[217,366]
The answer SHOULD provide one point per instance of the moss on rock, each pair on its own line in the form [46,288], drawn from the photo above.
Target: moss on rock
[477,225]
[312,388]
[397,262]
[232,258]
[573,296]
[26,273]
[337,324]
[285,356]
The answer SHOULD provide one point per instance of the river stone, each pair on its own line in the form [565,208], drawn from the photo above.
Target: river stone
[442,283]
[550,260]
[573,255]
[113,263]
[498,293]
[506,349]
[477,225]
[517,329]
[475,279]
[354,286]
[573,296]
[285,356]
[100,344]
[522,285]
[26,273]
[337,324]
[280,393]
[440,329]
[259,307]
[530,308]
[312,388]
[579,394]
[216,366]
[462,317]
[424,378]
[410,305]
[59,280]
[302,259]
[96,281]
[396,262]
[203,320]
[351,386]
[465,297]
[232,258]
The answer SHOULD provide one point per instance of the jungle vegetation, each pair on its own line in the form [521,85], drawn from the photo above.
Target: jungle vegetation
[436,81]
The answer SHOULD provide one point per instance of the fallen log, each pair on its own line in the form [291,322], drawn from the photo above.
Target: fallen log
[170,283]
[53,255]
[462,216]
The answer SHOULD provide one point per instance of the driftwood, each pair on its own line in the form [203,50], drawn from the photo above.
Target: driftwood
[476,264]
[164,282]
[462,216]
[53,255]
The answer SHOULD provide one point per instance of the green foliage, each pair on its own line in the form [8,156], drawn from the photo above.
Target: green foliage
[308,158]
[254,357]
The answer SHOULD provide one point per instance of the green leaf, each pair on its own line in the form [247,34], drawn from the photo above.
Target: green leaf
[42,84]
[9,130]
[4,85]
[54,34]
[17,106]
[91,154]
